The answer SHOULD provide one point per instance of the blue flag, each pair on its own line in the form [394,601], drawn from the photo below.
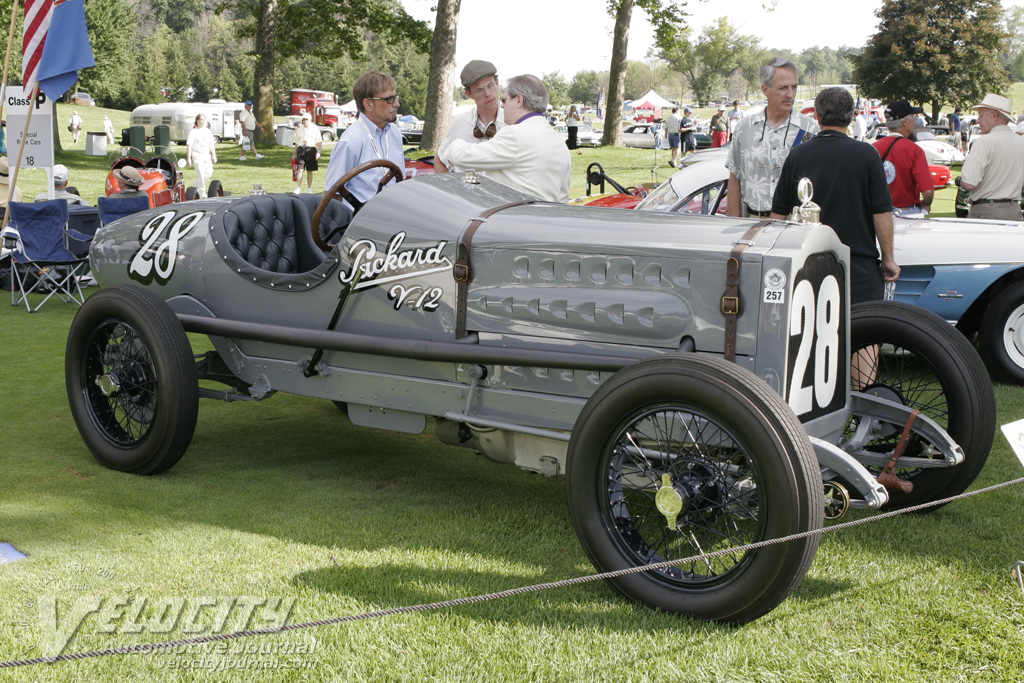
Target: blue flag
[66,49]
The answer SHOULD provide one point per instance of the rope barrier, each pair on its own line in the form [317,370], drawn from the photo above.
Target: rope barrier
[150,647]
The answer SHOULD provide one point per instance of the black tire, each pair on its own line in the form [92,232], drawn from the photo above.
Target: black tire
[326,135]
[961,213]
[131,380]
[216,189]
[1001,335]
[741,463]
[928,365]
[191,193]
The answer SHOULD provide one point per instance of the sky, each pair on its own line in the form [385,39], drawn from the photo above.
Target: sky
[538,37]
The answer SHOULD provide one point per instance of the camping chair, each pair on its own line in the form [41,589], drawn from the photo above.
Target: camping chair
[111,209]
[40,260]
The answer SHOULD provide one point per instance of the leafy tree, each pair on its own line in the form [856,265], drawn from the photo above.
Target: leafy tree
[666,16]
[934,52]
[584,87]
[112,26]
[1012,55]
[288,28]
[711,61]
[177,15]
[558,89]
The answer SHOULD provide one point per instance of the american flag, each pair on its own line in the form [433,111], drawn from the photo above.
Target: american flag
[37,23]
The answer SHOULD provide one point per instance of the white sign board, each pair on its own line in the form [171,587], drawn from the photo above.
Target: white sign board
[1014,433]
[39,141]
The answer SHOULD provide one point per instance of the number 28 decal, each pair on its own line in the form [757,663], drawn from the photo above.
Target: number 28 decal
[817,343]
[156,259]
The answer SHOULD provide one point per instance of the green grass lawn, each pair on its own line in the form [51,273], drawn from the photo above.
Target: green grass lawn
[286,498]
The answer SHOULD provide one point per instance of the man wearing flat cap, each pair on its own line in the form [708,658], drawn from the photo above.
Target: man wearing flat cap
[906,168]
[481,122]
[527,154]
[994,170]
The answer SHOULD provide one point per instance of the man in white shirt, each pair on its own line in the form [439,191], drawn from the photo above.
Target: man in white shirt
[306,152]
[527,154]
[75,126]
[483,121]
[249,126]
[60,187]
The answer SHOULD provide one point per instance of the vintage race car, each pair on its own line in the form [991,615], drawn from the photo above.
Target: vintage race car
[695,393]
[969,272]
[164,182]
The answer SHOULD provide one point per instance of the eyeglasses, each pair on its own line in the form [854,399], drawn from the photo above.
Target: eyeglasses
[507,98]
[390,99]
[489,133]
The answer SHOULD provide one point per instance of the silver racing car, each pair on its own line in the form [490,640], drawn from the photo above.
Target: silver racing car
[690,377]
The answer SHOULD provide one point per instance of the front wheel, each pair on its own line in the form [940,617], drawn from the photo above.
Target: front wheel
[1002,335]
[131,380]
[925,363]
[191,193]
[216,189]
[681,455]
[326,135]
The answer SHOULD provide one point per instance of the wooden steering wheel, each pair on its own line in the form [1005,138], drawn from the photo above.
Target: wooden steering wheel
[341,192]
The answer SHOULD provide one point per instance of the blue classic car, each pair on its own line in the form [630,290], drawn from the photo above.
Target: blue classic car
[969,272]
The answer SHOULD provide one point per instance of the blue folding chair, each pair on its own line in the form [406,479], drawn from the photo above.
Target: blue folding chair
[113,208]
[40,261]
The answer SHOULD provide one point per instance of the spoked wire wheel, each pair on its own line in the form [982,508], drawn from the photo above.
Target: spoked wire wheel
[131,380]
[123,391]
[683,455]
[711,487]
[913,357]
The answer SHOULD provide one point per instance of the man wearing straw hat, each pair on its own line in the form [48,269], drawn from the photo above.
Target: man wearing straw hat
[129,180]
[994,170]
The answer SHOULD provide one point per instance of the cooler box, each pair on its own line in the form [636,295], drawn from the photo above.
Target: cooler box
[96,144]
[285,136]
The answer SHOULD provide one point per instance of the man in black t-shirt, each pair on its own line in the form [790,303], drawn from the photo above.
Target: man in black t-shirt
[850,187]
[686,129]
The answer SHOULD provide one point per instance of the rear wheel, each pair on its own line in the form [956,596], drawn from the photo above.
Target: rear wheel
[131,381]
[1002,335]
[926,364]
[216,190]
[191,193]
[678,456]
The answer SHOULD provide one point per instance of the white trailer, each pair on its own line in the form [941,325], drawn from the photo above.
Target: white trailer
[180,117]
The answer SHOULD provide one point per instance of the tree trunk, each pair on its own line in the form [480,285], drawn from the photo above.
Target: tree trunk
[57,148]
[263,77]
[617,76]
[441,80]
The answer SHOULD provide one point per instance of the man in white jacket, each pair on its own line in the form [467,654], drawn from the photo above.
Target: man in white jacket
[527,154]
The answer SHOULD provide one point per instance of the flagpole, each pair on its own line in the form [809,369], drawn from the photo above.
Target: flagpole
[7,59]
[3,100]
[13,169]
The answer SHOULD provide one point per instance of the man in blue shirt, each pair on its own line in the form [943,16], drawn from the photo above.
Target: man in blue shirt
[954,128]
[373,135]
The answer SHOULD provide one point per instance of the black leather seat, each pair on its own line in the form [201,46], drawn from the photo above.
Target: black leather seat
[337,215]
[272,233]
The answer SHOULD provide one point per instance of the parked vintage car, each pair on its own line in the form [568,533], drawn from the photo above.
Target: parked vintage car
[687,414]
[585,135]
[941,175]
[969,272]
[643,135]
[164,180]
[82,99]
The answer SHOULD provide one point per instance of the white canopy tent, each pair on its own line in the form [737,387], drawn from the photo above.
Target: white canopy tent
[651,100]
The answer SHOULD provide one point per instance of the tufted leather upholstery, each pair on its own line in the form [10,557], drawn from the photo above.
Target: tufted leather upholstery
[337,214]
[271,233]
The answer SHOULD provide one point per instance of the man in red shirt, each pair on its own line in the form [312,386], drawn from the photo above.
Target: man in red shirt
[906,168]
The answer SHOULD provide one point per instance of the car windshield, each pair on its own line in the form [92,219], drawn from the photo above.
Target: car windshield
[662,199]
[925,135]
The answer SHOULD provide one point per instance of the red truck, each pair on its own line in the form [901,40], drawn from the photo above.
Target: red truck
[322,106]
